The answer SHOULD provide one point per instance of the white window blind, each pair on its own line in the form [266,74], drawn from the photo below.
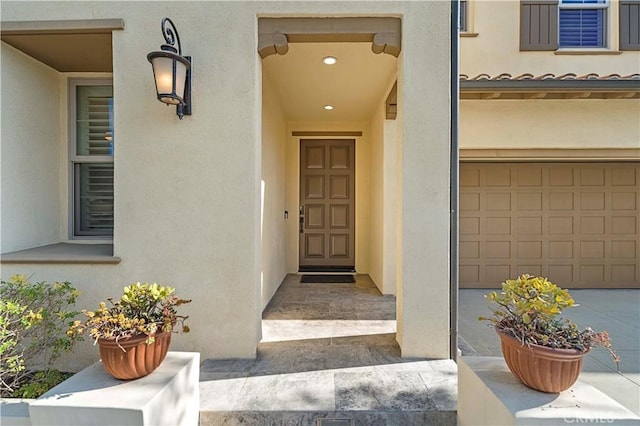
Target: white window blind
[582,23]
[93,161]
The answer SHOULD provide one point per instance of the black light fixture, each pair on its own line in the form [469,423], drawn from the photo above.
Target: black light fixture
[172,71]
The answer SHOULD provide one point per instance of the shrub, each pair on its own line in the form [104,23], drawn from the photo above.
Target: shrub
[528,309]
[33,319]
[143,309]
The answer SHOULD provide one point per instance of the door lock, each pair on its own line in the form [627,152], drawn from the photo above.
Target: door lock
[302,219]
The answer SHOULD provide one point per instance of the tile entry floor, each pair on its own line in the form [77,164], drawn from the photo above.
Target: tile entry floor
[328,352]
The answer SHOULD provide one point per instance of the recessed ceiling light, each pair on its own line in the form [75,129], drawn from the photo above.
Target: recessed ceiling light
[329,60]
[328,107]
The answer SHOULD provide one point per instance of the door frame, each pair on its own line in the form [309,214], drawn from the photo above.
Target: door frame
[293,185]
[329,268]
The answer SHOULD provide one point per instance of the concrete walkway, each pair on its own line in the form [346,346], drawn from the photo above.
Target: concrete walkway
[617,311]
[328,357]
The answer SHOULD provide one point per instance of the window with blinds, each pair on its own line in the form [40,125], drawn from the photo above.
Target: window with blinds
[582,23]
[463,25]
[92,159]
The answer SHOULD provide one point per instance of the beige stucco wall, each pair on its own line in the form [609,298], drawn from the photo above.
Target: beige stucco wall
[382,211]
[495,50]
[550,124]
[273,230]
[376,201]
[423,314]
[178,221]
[30,153]
[390,209]
[188,193]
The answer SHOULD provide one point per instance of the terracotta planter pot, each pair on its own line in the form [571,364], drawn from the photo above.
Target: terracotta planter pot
[137,360]
[539,367]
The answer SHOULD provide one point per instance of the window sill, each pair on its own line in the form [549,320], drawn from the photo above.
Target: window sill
[64,253]
[466,34]
[587,52]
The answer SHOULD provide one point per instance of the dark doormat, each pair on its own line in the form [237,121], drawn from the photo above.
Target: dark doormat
[340,279]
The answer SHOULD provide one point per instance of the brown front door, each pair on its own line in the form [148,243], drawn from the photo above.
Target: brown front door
[327,204]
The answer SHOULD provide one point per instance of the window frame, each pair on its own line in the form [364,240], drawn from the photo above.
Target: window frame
[466,23]
[463,22]
[605,5]
[75,159]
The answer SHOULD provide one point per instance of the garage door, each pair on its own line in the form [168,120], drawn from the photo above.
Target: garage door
[575,223]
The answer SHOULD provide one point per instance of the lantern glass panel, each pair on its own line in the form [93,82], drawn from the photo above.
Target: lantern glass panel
[181,78]
[163,73]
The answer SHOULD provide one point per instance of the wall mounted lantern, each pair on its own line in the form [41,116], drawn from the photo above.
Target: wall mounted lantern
[172,71]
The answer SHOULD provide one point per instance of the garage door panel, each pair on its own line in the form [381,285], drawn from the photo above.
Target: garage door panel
[498,177]
[592,176]
[561,273]
[575,223]
[496,273]
[561,201]
[561,176]
[530,201]
[592,225]
[623,273]
[529,176]
[529,250]
[624,177]
[560,249]
[534,269]
[498,225]
[469,226]
[624,249]
[500,201]
[624,225]
[592,201]
[624,201]
[529,225]
[560,225]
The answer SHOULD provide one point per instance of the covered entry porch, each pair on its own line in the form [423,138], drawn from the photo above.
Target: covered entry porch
[328,351]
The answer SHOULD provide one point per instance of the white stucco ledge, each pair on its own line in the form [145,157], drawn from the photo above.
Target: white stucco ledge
[488,394]
[63,253]
[168,396]
[15,412]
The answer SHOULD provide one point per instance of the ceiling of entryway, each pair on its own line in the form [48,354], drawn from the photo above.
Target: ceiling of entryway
[355,85]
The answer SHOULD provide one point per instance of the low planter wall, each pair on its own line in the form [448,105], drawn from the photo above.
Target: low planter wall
[168,396]
[488,394]
[15,412]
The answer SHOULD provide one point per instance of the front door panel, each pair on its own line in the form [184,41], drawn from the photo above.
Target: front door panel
[327,203]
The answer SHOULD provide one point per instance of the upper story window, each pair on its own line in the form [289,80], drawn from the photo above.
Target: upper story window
[91,156]
[578,24]
[583,23]
[464,9]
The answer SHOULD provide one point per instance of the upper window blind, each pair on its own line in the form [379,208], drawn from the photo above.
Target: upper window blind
[582,23]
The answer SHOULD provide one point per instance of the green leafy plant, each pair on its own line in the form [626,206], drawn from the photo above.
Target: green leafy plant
[39,382]
[528,309]
[143,309]
[33,320]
